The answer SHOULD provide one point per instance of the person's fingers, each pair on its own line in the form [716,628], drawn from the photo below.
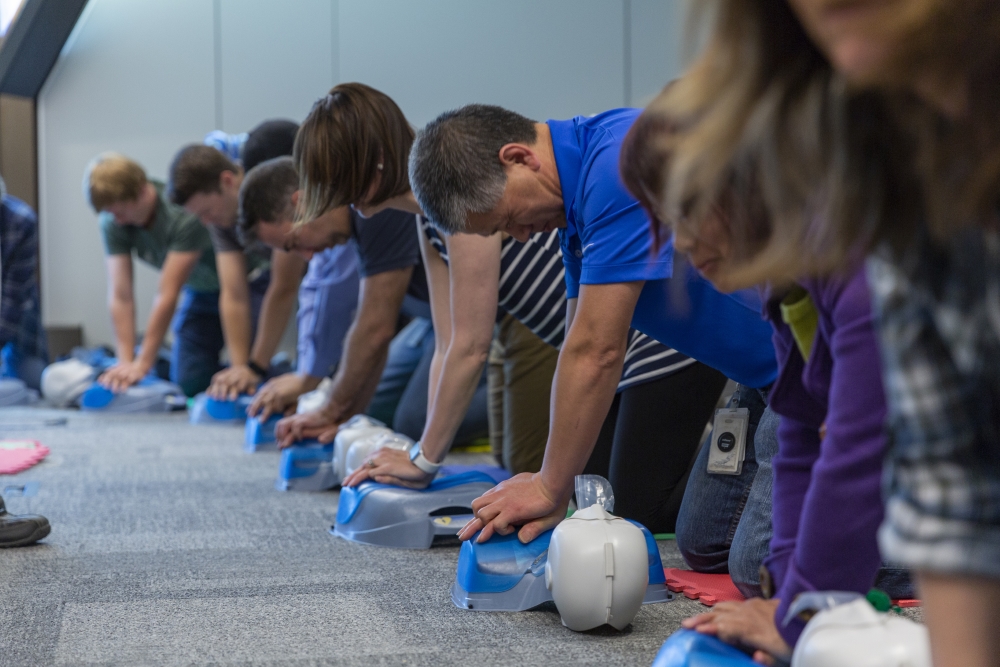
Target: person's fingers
[697,619]
[397,481]
[356,477]
[727,606]
[764,658]
[530,531]
[327,435]
[486,534]
[470,529]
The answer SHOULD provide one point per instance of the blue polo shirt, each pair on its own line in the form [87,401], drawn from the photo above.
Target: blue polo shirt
[607,240]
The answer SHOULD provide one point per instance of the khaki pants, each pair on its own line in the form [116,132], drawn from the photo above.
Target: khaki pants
[521,367]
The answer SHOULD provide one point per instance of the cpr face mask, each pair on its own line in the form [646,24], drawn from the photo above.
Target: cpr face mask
[371,443]
[354,429]
[597,565]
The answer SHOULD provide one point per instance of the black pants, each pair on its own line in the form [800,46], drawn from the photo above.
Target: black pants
[649,439]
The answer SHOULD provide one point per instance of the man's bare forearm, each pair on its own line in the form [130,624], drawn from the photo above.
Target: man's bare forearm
[123,321]
[274,314]
[361,364]
[582,392]
[235,314]
[156,328]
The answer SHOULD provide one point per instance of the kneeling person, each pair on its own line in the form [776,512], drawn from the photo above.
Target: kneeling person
[258,286]
[135,215]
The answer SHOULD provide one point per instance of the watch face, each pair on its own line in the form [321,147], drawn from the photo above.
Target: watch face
[414,451]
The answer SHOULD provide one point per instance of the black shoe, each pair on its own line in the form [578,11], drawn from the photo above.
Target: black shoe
[20,531]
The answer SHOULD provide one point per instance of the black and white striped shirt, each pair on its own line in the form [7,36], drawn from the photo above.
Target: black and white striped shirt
[533,291]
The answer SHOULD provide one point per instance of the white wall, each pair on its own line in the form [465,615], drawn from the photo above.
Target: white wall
[143,78]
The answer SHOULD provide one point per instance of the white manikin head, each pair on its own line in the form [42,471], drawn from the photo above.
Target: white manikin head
[597,570]
[371,443]
[354,429]
[63,382]
[855,635]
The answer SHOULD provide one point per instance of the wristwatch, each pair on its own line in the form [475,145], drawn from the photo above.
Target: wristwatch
[257,368]
[418,459]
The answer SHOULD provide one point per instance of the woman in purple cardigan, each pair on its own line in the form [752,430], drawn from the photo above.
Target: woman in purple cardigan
[827,504]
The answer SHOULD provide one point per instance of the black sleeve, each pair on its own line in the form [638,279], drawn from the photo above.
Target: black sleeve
[385,242]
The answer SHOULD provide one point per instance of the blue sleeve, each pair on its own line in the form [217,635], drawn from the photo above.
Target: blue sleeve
[569,244]
[615,241]
[328,300]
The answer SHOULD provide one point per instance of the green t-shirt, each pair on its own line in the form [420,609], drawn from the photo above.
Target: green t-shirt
[172,229]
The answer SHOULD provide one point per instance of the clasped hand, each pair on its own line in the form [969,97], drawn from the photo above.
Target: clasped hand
[230,382]
[276,396]
[319,424]
[750,623]
[121,376]
[390,466]
[522,500]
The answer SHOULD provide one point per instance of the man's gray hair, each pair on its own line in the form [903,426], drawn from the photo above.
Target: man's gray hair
[266,195]
[455,166]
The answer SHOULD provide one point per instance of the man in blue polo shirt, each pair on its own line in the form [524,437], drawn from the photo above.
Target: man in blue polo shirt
[483,169]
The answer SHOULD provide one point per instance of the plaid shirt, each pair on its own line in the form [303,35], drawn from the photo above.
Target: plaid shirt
[20,309]
[938,316]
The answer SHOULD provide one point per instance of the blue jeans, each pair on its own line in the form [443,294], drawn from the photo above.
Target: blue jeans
[724,523]
[198,340]
[401,397]
[198,337]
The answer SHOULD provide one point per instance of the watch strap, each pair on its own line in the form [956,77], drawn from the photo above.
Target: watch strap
[418,459]
[257,368]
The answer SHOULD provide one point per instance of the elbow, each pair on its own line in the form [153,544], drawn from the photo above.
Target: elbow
[602,357]
[470,351]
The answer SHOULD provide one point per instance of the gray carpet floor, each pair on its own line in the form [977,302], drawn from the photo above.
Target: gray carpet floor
[170,546]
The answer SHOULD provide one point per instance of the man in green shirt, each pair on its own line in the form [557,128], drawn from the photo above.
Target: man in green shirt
[259,286]
[135,216]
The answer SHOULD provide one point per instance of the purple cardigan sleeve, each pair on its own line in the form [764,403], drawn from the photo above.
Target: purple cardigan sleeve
[827,495]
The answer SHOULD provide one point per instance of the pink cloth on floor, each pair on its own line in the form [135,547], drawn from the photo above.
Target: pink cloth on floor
[18,455]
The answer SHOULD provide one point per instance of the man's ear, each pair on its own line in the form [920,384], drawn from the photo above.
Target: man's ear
[227,180]
[295,198]
[512,154]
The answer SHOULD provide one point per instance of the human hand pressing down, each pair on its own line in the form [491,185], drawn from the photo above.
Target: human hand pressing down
[277,396]
[750,623]
[121,376]
[390,466]
[522,500]
[229,383]
[319,424]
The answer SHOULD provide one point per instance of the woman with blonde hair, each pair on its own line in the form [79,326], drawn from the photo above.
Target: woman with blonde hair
[870,128]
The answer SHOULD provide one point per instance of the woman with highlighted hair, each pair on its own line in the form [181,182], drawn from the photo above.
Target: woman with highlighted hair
[831,442]
[871,129]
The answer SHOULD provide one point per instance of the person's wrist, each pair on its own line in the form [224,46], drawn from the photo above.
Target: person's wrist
[420,460]
[556,489]
[257,369]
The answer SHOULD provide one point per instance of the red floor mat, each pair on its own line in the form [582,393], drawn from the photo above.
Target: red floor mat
[18,455]
[712,588]
[706,588]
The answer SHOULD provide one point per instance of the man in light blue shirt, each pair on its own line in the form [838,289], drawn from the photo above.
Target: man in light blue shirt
[328,299]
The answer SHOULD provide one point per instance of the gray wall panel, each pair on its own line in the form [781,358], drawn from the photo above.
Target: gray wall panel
[137,78]
[277,59]
[557,58]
